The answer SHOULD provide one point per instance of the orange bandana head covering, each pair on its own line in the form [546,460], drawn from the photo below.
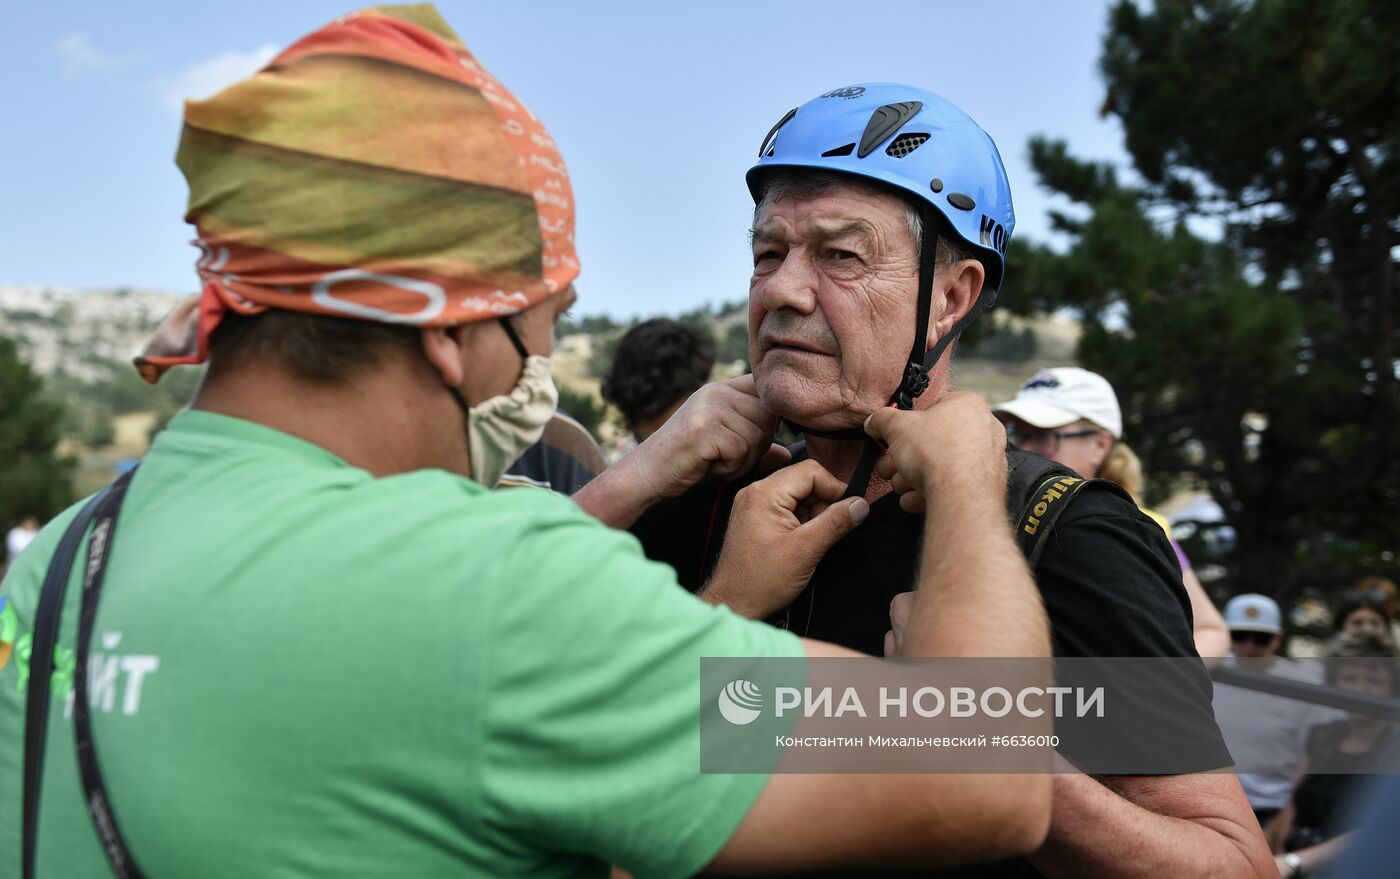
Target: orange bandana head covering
[374,170]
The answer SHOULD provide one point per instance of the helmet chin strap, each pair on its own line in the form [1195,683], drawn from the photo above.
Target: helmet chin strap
[916,369]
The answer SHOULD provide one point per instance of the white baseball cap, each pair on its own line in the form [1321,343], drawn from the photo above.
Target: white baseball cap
[1253,613]
[1062,395]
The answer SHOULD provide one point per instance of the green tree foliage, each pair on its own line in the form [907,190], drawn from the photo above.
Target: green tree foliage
[734,345]
[591,324]
[120,391]
[1262,358]
[125,391]
[34,477]
[998,340]
[97,428]
[583,408]
[600,356]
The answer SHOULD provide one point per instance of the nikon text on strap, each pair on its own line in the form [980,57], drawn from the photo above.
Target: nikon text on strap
[1045,505]
[1038,491]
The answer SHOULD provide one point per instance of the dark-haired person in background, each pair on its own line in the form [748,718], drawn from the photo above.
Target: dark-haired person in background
[1360,613]
[1384,587]
[658,365]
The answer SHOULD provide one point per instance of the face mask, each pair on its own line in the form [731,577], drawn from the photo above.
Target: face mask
[500,429]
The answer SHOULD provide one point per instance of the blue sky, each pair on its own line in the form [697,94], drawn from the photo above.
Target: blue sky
[657,107]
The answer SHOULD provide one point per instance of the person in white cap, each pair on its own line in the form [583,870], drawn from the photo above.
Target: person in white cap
[1067,414]
[1265,732]
[1071,416]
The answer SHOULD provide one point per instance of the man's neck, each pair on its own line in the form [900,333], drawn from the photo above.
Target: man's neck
[375,423]
[840,457]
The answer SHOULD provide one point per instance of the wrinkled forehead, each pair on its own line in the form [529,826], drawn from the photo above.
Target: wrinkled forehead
[825,203]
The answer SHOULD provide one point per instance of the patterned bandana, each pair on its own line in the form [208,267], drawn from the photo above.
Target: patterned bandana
[374,170]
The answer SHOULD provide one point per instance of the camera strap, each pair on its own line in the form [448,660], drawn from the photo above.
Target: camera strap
[101,513]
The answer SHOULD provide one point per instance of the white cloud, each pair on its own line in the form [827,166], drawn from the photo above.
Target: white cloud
[213,76]
[80,56]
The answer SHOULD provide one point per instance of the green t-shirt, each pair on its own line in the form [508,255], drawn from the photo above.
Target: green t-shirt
[298,669]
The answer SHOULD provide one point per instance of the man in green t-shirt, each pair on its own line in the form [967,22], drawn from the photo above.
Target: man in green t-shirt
[325,647]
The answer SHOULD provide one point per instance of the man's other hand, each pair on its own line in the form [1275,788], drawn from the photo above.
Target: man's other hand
[779,530]
[722,429]
[956,440]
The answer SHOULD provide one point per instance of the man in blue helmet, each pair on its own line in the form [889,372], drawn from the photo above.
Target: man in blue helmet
[882,218]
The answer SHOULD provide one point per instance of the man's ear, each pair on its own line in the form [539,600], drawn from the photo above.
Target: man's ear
[443,348]
[960,285]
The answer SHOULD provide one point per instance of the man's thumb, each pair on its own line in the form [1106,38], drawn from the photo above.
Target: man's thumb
[877,426]
[836,521]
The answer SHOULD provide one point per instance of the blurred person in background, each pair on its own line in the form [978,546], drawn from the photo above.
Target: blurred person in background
[20,536]
[1266,734]
[1071,416]
[1334,794]
[659,363]
[1361,613]
[1386,588]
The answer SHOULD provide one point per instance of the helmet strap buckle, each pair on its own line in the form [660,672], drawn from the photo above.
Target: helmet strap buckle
[912,386]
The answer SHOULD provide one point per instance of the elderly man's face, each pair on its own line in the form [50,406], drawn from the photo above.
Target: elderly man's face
[831,304]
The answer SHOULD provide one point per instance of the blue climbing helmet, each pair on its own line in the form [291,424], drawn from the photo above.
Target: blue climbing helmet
[931,153]
[910,139]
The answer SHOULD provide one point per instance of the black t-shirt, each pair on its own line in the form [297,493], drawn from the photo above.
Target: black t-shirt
[1108,577]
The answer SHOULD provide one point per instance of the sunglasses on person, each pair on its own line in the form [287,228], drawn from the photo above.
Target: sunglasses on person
[1372,598]
[1258,639]
[1047,442]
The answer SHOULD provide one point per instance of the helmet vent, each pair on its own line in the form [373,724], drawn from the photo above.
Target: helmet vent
[840,151]
[905,144]
[766,148]
[884,122]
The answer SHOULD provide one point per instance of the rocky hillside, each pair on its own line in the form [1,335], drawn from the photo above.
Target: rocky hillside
[84,340]
[79,333]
